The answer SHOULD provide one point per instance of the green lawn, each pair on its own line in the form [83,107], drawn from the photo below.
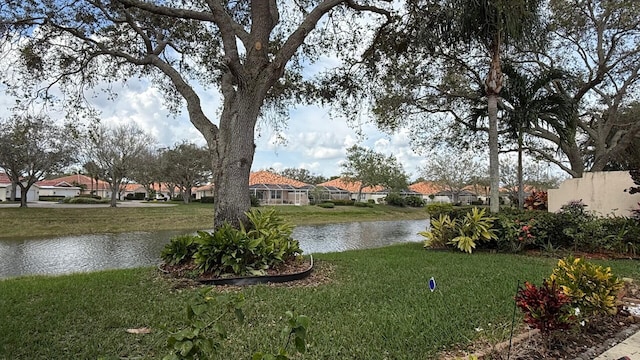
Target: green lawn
[376,306]
[48,222]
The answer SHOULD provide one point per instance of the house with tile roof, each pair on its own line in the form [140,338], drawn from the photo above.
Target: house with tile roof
[375,193]
[274,189]
[53,189]
[88,185]
[203,191]
[429,191]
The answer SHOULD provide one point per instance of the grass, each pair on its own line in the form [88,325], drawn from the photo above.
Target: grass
[49,222]
[376,306]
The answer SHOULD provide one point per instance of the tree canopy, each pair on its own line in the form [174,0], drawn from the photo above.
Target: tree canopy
[370,168]
[252,51]
[33,147]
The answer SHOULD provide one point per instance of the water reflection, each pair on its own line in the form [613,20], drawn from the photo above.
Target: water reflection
[112,251]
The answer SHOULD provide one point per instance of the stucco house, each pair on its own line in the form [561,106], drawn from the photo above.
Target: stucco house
[6,187]
[428,191]
[87,184]
[375,193]
[273,189]
[56,189]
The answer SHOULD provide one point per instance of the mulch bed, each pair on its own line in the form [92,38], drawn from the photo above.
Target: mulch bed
[586,344]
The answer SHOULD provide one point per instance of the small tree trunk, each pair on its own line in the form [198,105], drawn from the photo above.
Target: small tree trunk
[23,195]
[494,170]
[14,188]
[114,190]
[520,179]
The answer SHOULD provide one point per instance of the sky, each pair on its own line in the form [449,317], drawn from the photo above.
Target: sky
[313,139]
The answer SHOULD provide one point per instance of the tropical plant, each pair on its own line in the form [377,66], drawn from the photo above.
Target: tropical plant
[296,328]
[203,335]
[591,288]
[265,244]
[538,200]
[545,308]
[474,227]
[180,249]
[443,229]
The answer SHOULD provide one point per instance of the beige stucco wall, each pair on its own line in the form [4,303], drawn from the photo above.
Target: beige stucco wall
[603,192]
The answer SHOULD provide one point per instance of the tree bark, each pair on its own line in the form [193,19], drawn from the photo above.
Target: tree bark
[233,152]
[493,85]
[23,195]
[494,171]
[520,175]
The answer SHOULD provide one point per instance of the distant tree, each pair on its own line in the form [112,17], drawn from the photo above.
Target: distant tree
[186,165]
[93,171]
[116,151]
[452,171]
[148,171]
[371,168]
[303,175]
[31,148]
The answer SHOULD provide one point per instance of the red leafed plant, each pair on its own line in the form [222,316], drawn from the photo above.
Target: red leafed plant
[546,307]
[538,200]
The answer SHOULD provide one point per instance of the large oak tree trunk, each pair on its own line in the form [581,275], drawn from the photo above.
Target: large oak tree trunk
[232,159]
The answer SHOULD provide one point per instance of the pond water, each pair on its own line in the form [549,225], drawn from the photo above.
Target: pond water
[82,253]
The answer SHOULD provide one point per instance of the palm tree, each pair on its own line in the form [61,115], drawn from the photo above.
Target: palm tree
[528,99]
[493,24]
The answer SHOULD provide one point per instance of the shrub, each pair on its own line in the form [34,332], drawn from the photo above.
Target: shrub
[538,200]
[180,250]
[477,202]
[85,200]
[545,308]
[394,199]
[342,202]
[371,201]
[591,288]
[474,227]
[255,202]
[363,204]
[436,210]
[515,235]
[327,205]
[443,229]
[206,200]
[464,233]
[52,198]
[266,244]
[414,201]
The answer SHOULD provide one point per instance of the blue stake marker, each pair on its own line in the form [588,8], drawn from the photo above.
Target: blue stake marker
[432,284]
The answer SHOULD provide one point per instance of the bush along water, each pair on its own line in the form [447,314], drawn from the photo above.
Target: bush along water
[573,228]
[265,244]
[463,233]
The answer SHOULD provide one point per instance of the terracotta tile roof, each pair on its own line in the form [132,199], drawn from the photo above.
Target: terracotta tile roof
[426,187]
[208,187]
[351,186]
[54,183]
[266,177]
[4,179]
[83,179]
[133,188]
